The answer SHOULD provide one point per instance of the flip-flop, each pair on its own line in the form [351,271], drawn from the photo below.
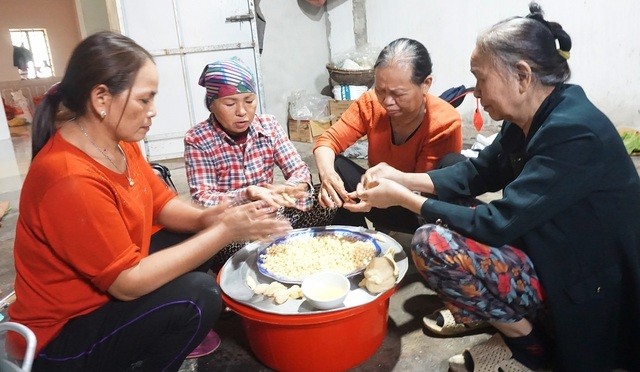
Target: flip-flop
[209,344]
[449,325]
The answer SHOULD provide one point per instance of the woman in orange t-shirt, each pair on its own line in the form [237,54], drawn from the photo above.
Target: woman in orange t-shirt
[89,283]
[406,127]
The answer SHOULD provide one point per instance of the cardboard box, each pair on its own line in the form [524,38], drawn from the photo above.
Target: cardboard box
[306,130]
[336,108]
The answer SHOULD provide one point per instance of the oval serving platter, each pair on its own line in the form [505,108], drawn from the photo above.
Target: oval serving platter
[314,232]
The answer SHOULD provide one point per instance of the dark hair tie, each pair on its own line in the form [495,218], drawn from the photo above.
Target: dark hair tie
[53,90]
[564,41]
[558,34]
[54,93]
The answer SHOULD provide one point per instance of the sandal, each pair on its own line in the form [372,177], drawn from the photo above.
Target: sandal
[209,344]
[492,355]
[443,323]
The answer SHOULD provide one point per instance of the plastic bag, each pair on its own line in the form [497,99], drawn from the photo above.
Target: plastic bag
[305,106]
[19,101]
[360,58]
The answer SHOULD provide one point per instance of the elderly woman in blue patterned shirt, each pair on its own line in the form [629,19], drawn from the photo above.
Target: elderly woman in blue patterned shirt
[232,154]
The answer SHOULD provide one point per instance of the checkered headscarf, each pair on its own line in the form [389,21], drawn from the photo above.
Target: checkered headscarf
[225,78]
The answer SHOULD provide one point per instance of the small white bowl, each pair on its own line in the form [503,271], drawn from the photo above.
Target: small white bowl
[326,290]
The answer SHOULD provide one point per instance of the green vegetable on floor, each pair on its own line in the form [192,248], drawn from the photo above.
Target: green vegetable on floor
[631,141]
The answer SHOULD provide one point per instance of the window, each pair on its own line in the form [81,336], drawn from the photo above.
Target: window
[31,54]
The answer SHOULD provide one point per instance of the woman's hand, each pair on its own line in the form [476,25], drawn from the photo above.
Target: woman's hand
[272,195]
[382,193]
[287,195]
[254,221]
[381,170]
[332,192]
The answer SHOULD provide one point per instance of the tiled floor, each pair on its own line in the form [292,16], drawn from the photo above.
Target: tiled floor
[406,347]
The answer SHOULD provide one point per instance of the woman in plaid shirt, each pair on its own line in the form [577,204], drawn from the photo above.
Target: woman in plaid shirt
[232,154]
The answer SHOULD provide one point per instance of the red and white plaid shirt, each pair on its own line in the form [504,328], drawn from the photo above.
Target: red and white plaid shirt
[218,167]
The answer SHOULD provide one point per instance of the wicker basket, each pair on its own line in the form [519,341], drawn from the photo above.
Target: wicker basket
[350,77]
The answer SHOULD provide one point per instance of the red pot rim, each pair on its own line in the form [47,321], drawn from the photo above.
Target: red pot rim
[302,319]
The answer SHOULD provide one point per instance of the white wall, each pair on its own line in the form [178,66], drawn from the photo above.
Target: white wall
[93,16]
[605,58]
[295,52]
[340,27]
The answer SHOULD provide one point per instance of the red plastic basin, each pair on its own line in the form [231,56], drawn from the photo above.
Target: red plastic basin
[330,341]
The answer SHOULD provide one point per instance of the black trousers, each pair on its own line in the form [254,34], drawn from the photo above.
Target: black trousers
[156,331]
[392,218]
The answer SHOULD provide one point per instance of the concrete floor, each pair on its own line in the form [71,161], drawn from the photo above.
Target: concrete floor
[407,347]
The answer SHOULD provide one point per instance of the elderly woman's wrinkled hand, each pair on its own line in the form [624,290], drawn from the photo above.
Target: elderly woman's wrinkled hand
[381,170]
[355,205]
[379,193]
[332,192]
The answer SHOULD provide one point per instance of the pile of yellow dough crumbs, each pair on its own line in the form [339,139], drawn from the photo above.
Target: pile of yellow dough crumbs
[297,258]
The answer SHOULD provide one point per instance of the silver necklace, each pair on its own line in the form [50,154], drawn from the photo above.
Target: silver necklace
[104,153]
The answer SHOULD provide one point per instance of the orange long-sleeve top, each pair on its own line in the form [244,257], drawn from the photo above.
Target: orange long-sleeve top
[439,134]
[79,226]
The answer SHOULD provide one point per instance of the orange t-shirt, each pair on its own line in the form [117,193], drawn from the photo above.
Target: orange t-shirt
[439,134]
[80,225]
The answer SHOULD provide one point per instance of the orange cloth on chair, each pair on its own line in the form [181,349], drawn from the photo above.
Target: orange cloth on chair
[439,134]
[80,225]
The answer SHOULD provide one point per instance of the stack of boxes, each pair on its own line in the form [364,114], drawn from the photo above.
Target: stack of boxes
[309,130]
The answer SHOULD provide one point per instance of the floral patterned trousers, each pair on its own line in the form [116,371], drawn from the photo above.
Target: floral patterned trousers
[475,281]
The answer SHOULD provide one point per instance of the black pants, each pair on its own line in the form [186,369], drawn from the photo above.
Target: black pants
[392,218]
[159,329]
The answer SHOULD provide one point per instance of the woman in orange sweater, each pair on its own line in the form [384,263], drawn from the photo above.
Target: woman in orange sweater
[406,127]
[88,283]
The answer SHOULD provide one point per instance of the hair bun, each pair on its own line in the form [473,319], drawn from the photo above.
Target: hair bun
[535,12]
[535,9]
[564,40]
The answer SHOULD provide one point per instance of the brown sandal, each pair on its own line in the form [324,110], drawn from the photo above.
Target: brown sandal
[450,327]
